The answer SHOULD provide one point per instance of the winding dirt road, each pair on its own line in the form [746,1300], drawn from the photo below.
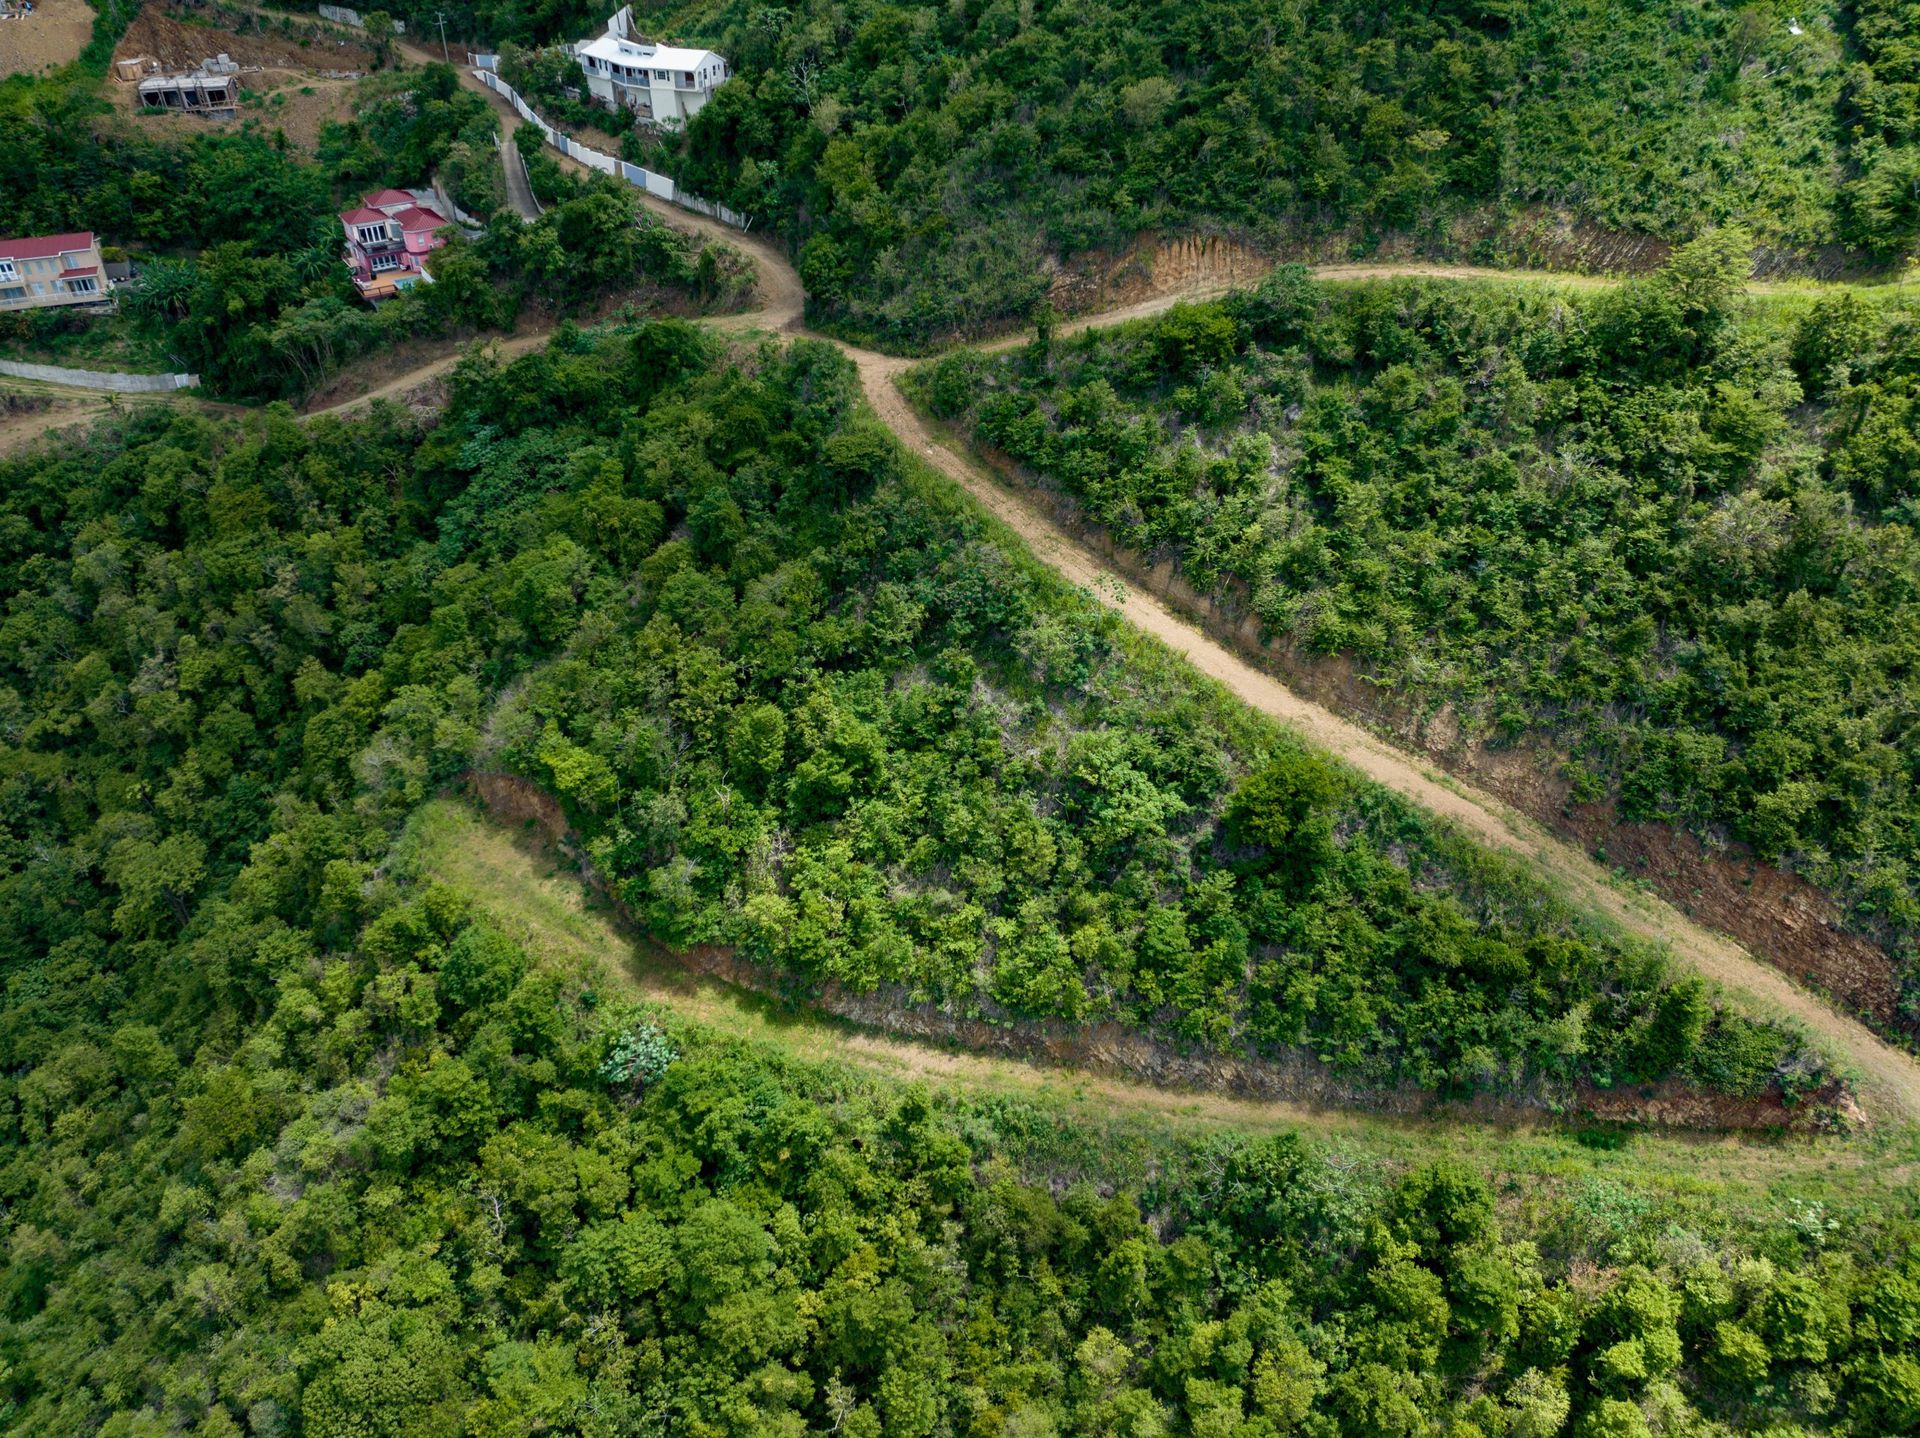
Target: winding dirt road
[1889,1080]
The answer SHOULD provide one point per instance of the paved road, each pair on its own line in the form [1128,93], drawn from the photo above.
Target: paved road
[519,187]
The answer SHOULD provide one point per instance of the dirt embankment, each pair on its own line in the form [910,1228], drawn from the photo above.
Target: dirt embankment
[53,35]
[1295,1076]
[1539,241]
[181,37]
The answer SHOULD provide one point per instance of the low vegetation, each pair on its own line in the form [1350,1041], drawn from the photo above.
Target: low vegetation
[304,1132]
[1669,532]
[804,706]
[364,1167]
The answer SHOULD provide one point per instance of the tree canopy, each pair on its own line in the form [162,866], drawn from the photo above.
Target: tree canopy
[1667,532]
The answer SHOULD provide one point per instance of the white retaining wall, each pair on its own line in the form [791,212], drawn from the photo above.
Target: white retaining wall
[99,379]
[636,175]
[341,15]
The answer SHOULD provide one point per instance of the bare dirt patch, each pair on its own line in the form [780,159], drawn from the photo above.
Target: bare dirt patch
[1779,915]
[25,418]
[180,37]
[293,102]
[53,35]
[1190,266]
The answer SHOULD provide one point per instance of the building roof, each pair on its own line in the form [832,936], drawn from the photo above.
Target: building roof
[365,215]
[388,197]
[419,217]
[644,54]
[79,271]
[45,247]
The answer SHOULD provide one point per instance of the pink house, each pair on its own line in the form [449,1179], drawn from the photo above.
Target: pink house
[388,240]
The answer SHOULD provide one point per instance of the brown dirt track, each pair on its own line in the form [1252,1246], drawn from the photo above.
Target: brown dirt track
[1889,1080]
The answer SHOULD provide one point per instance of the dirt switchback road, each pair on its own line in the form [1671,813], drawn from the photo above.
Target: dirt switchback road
[1889,1080]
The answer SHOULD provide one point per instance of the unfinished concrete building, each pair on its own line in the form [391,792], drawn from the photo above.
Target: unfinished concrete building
[205,94]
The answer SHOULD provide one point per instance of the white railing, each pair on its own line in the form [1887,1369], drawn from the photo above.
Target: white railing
[99,379]
[642,178]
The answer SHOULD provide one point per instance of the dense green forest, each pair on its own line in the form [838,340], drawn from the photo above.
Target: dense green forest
[805,707]
[291,1142]
[244,286]
[1668,531]
[928,160]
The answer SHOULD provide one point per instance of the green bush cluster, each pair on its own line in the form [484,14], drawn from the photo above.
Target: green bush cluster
[834,722]
[838,727]
[1668,532]
[388,1194]
[639,1056]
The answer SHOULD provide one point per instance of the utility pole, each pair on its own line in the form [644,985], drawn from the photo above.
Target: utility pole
[441,16]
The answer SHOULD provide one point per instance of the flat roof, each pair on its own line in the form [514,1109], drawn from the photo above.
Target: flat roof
[658,57]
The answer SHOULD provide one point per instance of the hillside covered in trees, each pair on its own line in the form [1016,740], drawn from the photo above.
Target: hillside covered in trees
[1666,530]
[800,705]
[292,1141]
[930,161]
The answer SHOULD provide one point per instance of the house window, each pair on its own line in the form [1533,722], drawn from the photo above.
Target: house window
[385,262]
[15,292]
[72,262]
[7,271]
[85,285]
[371,234]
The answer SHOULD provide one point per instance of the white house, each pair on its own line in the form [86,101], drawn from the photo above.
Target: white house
[661,83]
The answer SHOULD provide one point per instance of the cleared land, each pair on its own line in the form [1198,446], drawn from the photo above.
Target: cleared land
[53,35]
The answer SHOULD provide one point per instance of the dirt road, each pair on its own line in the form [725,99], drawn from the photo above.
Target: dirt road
[1889,1080]
[534,895]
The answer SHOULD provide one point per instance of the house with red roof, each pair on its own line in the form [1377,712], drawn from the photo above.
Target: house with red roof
[45,270]
[389,236]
